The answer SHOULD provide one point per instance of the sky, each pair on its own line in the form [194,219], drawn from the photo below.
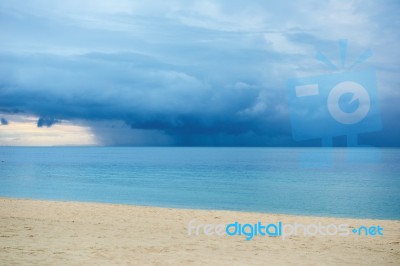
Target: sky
[183,73]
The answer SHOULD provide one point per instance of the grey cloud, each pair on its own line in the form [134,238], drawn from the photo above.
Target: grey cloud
[3,122]
[46,121]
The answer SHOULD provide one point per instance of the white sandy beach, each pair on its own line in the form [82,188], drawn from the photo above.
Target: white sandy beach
[69,233]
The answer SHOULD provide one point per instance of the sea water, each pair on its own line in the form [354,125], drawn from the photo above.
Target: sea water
[270,180]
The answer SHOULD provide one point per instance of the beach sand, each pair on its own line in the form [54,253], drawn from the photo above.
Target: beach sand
[34,232]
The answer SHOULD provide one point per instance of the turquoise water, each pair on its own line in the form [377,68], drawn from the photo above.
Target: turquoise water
[272,180]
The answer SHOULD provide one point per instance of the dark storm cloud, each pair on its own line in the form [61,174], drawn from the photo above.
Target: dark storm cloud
[145,95]
[3,122]
[46,122]
[207,73]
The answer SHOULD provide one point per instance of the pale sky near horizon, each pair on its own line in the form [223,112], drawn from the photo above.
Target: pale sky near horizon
[23,131]
[203,73]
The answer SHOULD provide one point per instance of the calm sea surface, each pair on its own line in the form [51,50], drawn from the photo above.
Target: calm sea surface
[338,182]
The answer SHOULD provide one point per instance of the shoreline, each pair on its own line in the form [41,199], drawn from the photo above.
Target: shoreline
[203,209]
[63,232]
